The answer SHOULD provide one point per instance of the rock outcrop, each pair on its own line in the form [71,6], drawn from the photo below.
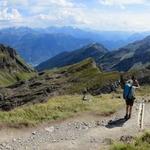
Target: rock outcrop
[10,60]
[12,67]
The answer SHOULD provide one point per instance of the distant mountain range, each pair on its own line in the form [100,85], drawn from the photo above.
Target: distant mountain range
[95,51]
[38,45]
[133,56]
[112,40]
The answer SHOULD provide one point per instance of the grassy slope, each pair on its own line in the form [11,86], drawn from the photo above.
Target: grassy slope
[85,74]
[60,107]
[73,79]
[8,79]
[82,75]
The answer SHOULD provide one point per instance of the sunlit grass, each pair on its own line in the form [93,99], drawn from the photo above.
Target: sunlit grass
[7,78]
[60,107]
[143,91]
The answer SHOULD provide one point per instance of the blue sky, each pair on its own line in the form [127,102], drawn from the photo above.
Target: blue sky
[95,14]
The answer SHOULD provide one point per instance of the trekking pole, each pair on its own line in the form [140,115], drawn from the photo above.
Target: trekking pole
[141,115]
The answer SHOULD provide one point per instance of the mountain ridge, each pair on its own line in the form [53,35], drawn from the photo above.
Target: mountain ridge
[135,55]
[36,45]
[94,50]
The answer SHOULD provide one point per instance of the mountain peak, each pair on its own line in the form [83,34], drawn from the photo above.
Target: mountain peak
[96,46]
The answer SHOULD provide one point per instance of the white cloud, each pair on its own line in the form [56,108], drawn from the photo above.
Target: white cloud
[97,19]
[63,16]
[43,13]
[18,3]
[122,2]
[119,21]
[60,12]
[61,3]
[3,3]
[12,14]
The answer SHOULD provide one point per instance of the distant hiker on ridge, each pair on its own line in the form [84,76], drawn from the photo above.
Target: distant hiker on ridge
[129,95]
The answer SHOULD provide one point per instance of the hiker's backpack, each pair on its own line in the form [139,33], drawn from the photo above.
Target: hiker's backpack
[128,92]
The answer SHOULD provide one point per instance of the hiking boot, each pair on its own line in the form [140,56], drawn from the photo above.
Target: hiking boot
[126,117]
[129,116]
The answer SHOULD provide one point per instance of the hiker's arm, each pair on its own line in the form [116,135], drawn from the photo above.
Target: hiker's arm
[137,85]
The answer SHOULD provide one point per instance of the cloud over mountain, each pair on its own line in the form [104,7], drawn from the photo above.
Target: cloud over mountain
[95,14]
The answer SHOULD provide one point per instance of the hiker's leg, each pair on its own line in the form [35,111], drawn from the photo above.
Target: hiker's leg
[130,108]
[130,111]
[127,111]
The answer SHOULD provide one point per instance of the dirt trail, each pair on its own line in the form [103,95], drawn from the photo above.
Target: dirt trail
[81,133]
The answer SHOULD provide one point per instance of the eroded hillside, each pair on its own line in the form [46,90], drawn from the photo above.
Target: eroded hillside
[68,80]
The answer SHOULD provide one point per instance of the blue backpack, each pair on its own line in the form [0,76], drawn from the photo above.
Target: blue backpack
[128,92]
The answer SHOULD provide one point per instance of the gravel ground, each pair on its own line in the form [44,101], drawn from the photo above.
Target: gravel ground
[81,133]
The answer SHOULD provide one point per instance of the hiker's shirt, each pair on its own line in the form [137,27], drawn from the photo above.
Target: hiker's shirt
[133,90]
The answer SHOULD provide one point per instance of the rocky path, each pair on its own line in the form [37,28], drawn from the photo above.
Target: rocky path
[86,132]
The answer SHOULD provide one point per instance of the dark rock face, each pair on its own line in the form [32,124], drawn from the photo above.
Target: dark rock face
[105,89]
[23,93]
[10,61]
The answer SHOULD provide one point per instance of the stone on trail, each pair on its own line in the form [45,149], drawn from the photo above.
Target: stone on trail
[50,129]
[33,133]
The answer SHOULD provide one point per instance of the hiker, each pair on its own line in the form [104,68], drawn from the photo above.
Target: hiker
[129,95]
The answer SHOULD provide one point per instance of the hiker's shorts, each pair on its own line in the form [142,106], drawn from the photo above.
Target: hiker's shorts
[130,102]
